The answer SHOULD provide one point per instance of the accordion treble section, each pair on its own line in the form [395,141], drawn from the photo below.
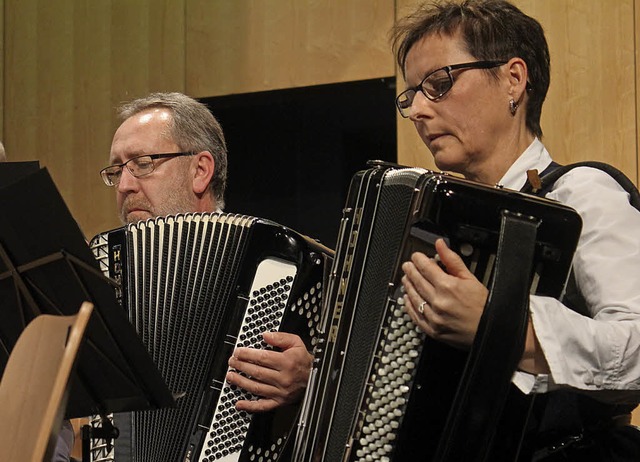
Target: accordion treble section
[382,390]
[196,286]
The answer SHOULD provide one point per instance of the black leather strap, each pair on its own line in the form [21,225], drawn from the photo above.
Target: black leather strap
[554,171]
[496,350]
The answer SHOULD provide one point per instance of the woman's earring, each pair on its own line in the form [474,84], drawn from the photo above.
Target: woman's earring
[513,107]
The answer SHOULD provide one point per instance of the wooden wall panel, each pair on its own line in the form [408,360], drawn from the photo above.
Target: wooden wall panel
[248,45]
[590,111]
[67,65]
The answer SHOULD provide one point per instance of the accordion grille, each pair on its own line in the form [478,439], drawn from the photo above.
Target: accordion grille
[173,285]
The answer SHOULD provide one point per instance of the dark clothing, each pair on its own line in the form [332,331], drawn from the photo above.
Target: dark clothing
[64,445]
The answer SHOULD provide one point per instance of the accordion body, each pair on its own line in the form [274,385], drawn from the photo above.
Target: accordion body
[196,286]
[382,390]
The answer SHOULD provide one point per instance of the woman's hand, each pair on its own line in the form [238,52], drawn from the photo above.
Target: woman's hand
[446,305]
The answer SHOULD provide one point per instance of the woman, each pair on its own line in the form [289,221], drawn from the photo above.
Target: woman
[477,73]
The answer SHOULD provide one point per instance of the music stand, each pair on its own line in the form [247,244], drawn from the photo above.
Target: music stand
[46,267]
[13,171]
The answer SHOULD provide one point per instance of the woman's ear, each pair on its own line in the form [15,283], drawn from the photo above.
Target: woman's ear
[518,75]
[203,169]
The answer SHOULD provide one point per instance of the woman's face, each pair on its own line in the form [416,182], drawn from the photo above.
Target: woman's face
[464,128]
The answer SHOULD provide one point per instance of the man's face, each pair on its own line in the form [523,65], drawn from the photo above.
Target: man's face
[165,191]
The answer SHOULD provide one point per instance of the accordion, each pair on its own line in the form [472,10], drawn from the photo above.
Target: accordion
[381,390]
[195,286]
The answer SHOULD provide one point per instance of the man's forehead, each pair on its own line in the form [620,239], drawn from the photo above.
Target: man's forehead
[144,133]
[151,115]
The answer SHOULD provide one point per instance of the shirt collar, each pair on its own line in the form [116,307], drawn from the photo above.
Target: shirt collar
[535,156]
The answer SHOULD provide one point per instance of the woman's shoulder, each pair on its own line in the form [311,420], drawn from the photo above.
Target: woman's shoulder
[583,176]
[589,185]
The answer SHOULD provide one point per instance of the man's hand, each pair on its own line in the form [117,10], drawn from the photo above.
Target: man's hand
[277,377]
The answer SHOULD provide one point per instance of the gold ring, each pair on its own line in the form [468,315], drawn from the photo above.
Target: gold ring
[421,307]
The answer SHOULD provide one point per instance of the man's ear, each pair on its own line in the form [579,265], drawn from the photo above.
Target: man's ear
[203,169]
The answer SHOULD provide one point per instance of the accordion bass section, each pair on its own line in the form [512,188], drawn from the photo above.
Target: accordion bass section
[196,286]
[380,389]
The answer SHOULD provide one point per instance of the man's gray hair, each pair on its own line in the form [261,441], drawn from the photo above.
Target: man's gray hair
[3,155]
[193,128]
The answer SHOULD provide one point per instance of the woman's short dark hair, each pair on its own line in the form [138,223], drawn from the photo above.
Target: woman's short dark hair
[491,30]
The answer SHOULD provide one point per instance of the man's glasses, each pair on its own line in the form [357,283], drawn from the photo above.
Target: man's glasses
[138,166]
[436,84]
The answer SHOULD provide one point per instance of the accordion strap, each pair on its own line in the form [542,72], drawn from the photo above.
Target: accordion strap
[496,350]
[554,171]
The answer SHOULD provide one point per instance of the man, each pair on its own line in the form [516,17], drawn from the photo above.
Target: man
[189,175]
[174,123]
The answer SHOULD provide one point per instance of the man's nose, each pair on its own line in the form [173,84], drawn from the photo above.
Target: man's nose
[128,182]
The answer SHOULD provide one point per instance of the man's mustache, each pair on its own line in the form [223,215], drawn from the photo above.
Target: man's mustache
[133,203]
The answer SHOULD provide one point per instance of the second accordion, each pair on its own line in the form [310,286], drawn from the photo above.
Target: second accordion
[195,287]
[381,389]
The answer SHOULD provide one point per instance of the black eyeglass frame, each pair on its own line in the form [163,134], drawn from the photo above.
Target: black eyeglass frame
[447,69]
[107,180]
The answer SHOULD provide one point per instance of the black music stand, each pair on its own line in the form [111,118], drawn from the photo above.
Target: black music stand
[46,267]
[14,171]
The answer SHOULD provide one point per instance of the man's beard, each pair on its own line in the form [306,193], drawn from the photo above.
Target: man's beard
[172,204]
